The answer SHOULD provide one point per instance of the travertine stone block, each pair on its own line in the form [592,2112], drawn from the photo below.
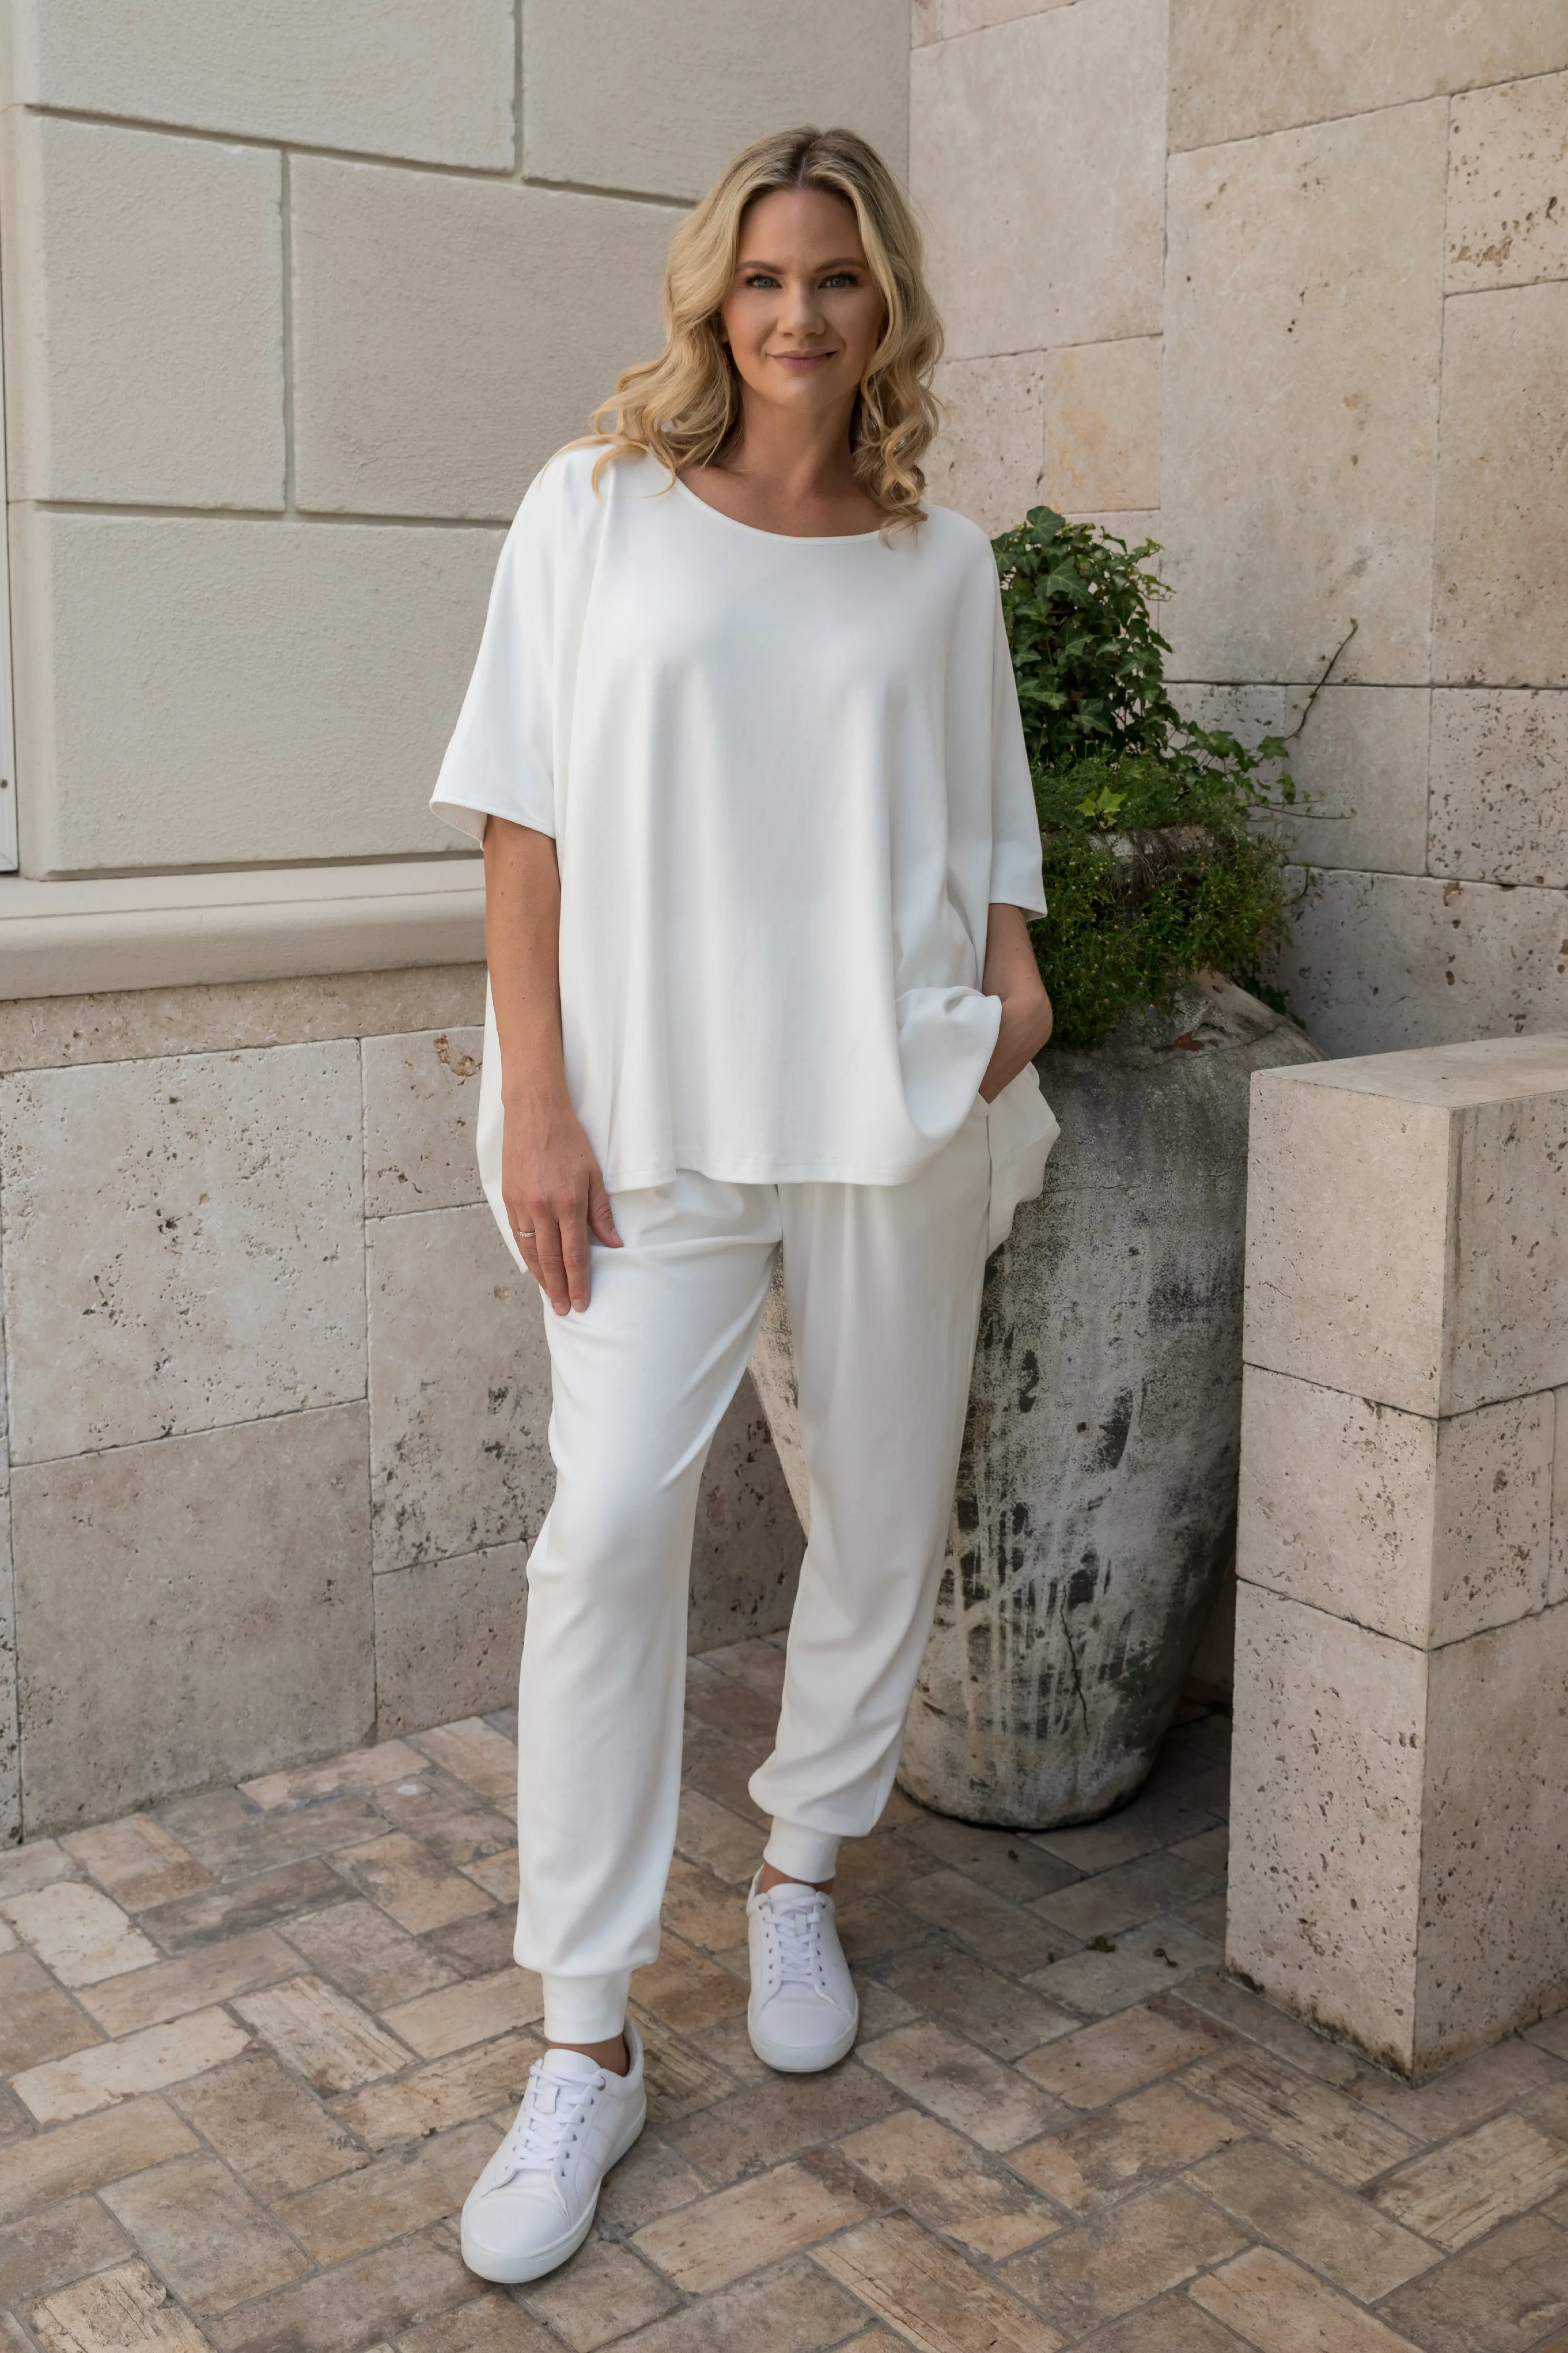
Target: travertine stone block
[747,1544]
[10,1753]
[1378,962]
[972,15]
[1237,68]
[1130,527]
[42,1033]
[986,461]
[1359,767]
[1329,1298]
[1499,786]
[1101,443]
[460,1389]
[1300,400]
[144,317]
[10,1746]
[1399,1853]
[1427,1530]
[390,77]
[1494,1882]
[183,1243]
[325,2037]
[1006,130]
[1249,713]
[187,686]
[192,1610]
[1558,1585]
[4,1419]
[602,106]
[142,2062]
[1500,618]
[1399,1860]
[449,1637]
[421,1096]
[432,376]
[1407,1224]
[1508,183]
[1326,1818]
[124,2306]
[78,1934]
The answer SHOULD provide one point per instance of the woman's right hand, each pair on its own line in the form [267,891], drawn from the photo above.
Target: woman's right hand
[552,1188]
[555,1198]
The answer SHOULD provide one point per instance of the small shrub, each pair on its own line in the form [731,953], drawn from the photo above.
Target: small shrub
[1159,860]
[1085,653]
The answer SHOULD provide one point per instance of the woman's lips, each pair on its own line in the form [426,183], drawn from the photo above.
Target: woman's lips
[803,359]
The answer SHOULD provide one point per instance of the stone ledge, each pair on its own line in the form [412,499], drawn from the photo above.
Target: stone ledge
[63,939]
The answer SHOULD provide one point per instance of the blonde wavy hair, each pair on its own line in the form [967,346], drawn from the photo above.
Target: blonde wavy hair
[684,407]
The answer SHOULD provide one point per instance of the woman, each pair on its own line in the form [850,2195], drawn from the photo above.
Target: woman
[744,753]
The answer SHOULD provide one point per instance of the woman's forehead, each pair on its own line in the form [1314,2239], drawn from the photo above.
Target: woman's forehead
[798,220]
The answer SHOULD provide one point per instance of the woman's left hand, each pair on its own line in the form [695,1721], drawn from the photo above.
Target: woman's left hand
[1012,974]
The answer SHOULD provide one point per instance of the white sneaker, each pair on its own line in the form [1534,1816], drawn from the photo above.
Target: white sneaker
[802,2013]
[533,2204]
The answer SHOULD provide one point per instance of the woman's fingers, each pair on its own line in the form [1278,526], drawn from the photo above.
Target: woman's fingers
[552,1266]
[530,1256]
[601,1217]
[569,1212]
[556,1254]
[574,1229]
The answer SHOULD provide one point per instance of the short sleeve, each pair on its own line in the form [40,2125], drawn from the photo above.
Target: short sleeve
[1016,876]
[501,760]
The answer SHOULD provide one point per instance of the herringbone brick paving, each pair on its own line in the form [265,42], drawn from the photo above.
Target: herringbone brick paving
[257,2044]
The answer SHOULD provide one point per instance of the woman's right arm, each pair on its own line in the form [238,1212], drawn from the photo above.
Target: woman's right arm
[551,1185]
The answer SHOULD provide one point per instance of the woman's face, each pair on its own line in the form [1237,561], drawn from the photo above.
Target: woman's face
[803,315]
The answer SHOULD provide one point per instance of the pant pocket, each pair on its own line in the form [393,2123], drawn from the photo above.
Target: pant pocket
[1021,1128]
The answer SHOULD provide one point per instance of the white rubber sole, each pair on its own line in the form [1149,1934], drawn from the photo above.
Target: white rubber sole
[785,2062]
[512,2271]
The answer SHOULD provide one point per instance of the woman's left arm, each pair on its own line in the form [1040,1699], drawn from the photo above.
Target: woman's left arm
[1012,974]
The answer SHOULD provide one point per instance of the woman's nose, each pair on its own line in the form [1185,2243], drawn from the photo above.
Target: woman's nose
[801,311]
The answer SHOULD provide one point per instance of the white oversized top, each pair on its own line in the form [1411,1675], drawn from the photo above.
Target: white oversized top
[786,778]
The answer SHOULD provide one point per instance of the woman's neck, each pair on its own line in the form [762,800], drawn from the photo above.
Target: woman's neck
[789,475]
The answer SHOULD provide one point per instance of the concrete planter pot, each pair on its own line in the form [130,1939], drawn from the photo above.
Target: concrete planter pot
[1094,1518]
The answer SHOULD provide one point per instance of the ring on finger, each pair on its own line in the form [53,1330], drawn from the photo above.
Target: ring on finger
[523,1233]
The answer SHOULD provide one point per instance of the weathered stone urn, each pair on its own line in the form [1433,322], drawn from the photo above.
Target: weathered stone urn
[1095,1511]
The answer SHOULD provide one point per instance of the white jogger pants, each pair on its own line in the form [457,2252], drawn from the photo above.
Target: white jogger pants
[883,1284]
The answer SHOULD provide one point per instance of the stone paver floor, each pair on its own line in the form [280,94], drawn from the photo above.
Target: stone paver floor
[257,2044]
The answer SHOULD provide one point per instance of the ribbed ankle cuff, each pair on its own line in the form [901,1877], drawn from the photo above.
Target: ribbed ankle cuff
[585,2009]
[801,1853]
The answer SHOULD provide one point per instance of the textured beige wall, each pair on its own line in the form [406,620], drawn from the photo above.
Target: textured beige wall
[276,1444]
[1287,289]
[296,299]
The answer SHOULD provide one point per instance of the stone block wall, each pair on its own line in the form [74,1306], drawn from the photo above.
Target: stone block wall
[1399,1855]
[1287,289]
[278,1403]
[296,301]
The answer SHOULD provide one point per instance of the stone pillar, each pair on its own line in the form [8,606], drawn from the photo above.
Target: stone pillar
[1400,1814]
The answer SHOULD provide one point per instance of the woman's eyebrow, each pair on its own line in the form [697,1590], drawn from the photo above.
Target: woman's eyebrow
[843,261]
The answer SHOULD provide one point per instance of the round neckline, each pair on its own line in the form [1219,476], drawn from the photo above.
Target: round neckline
[790,538]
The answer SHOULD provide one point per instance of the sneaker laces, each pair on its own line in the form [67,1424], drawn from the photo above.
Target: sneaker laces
[546,2122]
[797,1929]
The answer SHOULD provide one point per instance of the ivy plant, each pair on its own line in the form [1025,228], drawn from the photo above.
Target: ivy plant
[1160,859]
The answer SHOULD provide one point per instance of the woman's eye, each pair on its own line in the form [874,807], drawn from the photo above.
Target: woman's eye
[840,278]
[760,277]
